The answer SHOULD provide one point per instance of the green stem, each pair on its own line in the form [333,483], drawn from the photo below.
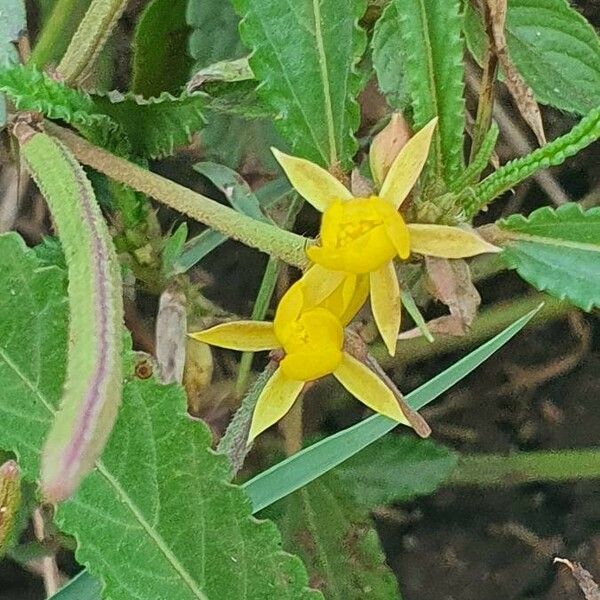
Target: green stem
[234,441]
[57,31]
[554,153]
[527,467]
[268,238]
[89,39]
[487,324]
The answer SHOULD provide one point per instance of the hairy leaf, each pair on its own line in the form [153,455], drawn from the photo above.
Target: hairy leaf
[422,40]
[557,251]
[32,90]
[160,61]
[396,468]
[338,543]
[555,49]
[158,517]
[315,98]
[156,126]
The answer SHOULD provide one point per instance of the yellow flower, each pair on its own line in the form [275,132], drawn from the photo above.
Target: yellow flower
[362,236]
[309,329]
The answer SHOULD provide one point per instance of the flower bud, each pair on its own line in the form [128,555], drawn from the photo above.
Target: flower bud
[386,145]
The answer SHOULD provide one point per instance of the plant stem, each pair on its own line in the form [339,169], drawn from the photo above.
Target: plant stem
[234,442]
[268,238]
[59,28]
[89,39]
[488,323]
[291,427]
[527,467]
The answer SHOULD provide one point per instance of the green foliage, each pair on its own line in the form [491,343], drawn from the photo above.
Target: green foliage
[128,516]
[515,171]
[214,34]
[396,469]
[337,542]
[422,40]
[31,90]
[555,49]
[81,587]
[315,97]
[12,24]
[160,61]
[155,126]
[305,466]
[557,251]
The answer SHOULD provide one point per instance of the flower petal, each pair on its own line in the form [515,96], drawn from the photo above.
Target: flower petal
[312,182]
[397,232]
[288,310]
[386,304]
[275,400]
[247,336]
[407,166]
[319,283]
[445,241]
[362,383]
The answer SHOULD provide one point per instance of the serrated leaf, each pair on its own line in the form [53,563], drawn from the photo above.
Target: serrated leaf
[158,517]
[557,251]
[29,89]
[160,60]
[156,126]
[555,49]
[315,97]
[396,469]
[422,40]
[338,543]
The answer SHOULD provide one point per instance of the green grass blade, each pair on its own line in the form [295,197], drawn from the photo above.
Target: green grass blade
[305,466]
[81,587]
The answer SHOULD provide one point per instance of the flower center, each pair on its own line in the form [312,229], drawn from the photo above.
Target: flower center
[313,345]
[360,236]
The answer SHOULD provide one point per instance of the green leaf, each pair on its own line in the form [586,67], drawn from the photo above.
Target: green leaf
[31,90]
[160,60]
[555,49]
[155,126]
[159,516]
[396,469]
[315,97]
[421,39]
[308,464]
[12,24]
[337,542]
[214,34]
[173,248]
[557,251]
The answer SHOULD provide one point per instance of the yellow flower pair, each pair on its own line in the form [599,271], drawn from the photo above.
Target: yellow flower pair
[359,238]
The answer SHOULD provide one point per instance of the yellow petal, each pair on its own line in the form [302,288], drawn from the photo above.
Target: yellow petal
[312,182]
[444,241]
[397,231]
[247,336]
[288,310]
[275,400]
[362,383]
[386,304]
[407,166]
[359,296]
[319,283]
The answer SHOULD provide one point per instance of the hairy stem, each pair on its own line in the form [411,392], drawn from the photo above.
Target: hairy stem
[58,30]
[268,238]
[554,153]
[89,39]
[526,467]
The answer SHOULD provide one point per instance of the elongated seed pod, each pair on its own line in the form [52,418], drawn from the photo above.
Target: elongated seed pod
[93,385]
[10,500]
